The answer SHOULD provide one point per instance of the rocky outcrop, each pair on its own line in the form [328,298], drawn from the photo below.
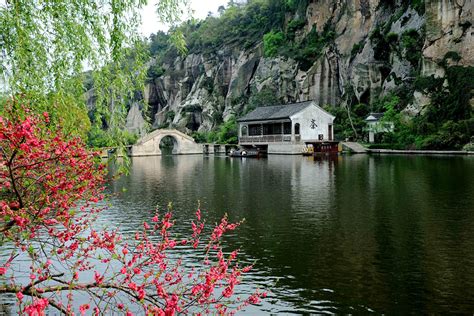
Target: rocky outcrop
[135,122]
[201,90]
[449,29]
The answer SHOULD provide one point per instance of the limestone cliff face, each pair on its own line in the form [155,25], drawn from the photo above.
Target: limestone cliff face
[449,28]
[198,91]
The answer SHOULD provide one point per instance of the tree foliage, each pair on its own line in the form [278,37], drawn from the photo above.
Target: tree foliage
[272,42]
[412,44]
[305,51]
[447,121]
[237,25]
[265,97]
[226,133]
[48,45]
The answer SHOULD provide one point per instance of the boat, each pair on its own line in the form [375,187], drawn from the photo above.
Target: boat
[319,147]
[245,153]
[308,151]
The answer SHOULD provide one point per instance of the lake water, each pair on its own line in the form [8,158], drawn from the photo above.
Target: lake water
[389,234]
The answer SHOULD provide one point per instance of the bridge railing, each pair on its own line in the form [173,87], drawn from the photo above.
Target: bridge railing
[164,132]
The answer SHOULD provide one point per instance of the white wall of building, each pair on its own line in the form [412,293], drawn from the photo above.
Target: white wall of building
[309,129]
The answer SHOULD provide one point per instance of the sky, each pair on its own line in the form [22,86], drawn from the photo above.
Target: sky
[200,9]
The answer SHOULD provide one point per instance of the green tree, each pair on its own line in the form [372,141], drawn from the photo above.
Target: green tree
[227,133]
[264,97]
[238,25]
[48,45]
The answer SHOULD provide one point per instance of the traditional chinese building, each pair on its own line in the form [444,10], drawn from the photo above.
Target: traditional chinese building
[376,125]
[284,129]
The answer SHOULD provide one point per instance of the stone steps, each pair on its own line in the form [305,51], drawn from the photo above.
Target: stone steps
[354,147]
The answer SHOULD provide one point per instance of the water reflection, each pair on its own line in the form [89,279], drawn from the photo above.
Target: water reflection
[348,234]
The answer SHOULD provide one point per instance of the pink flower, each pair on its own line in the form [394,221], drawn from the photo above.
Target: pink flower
[98,278]
[37,307]
[141,294]
[83,308]
[68,181]
[132,286]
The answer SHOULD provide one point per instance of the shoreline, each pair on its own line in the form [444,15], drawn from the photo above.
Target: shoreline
[420,152]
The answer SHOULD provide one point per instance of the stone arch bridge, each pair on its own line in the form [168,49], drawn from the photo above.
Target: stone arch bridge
[149,145]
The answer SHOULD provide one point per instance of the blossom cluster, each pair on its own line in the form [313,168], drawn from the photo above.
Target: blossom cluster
[49,186]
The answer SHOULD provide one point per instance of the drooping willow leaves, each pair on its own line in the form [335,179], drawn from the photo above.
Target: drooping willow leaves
[56,55]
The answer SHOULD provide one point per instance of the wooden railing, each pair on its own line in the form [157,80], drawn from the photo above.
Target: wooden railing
[268,139]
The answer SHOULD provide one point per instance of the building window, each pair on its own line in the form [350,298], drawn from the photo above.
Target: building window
[244,130]
[272,129]
[255,130]
[277,128]
[287,128]
[297,128]
[266,129]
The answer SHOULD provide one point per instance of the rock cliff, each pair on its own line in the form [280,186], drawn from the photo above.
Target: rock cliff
[378,47]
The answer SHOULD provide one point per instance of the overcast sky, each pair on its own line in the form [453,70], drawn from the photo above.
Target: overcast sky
[200,7]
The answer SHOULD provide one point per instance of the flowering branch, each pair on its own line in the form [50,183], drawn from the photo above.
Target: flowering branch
[48,189]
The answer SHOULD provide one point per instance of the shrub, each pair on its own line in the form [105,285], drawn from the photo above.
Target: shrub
[199,137]
[154,72]
[381,46]
[451,135]
[452,55]
[419,6]
[392,37]
[264,97]
[272,42]
[169,116]
[357,48]
[312,46]
[412,43]
[227,133]
[98,138]
[295,25]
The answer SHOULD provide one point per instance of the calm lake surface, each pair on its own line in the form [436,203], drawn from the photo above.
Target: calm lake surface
[388,234]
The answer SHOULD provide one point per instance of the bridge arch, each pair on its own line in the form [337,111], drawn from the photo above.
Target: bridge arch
[167,140]
[149,145]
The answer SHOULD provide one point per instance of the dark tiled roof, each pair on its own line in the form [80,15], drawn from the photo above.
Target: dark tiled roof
[274,112]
